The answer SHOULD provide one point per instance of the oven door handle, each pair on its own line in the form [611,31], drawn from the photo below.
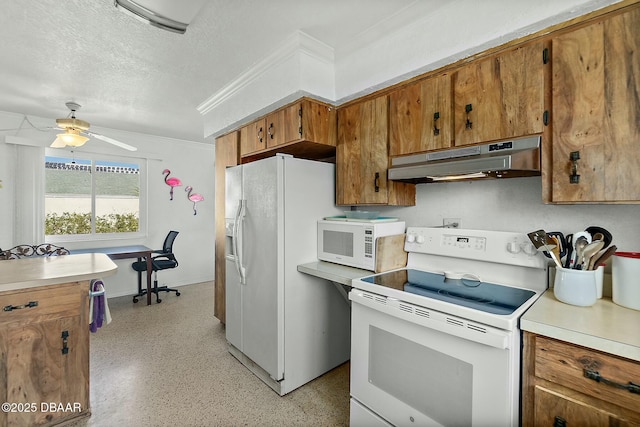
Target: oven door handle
[452,325]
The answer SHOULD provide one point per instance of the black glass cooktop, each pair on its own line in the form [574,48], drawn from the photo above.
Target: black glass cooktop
[467,292]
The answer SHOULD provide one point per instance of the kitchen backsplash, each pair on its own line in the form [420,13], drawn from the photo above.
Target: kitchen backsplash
[515,205]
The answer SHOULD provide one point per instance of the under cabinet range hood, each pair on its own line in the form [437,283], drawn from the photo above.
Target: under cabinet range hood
[506,159]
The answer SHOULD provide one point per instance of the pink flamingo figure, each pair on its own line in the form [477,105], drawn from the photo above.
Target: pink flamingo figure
[173,182]
[195,197]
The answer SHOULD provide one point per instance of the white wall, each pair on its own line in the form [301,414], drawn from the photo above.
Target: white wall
[515,204]
[192,162]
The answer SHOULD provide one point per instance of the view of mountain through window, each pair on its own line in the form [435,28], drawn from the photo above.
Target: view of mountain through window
[91,196]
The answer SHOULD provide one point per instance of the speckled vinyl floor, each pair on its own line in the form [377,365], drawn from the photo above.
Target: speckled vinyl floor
[167,365]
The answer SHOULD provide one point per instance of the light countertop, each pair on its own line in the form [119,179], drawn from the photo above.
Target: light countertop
[52,270]
[333,272]
[605,326]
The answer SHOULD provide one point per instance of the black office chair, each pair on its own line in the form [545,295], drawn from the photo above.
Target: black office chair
[165,260]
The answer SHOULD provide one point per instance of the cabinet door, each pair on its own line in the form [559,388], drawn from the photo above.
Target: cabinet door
[361,153]
[500,97]
[253,137]
[39,370]
[283,126]
[421,117]
[596,110]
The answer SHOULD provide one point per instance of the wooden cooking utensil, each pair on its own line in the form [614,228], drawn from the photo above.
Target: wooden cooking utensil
[603,256]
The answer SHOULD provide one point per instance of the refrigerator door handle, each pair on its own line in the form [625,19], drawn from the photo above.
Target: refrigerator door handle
[237,240]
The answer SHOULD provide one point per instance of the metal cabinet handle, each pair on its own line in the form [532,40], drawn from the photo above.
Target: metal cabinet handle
[574,178]
[270,131]
[468,108]
[65,343]
[260,134]
[20,307]
[376,182]
[559,422]
[595,375]
[436,116]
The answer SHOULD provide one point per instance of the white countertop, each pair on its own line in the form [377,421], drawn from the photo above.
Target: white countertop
[604,326]
[52,270]
[333,272]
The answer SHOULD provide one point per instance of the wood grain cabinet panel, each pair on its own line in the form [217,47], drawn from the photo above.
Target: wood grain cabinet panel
[253,137]
[566,384]
[362,157]
[305,128]
[227,154]
[421,116]
[44,353]
[500,97]
[596,112]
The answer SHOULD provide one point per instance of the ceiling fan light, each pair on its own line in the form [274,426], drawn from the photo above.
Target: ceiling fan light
[69,138]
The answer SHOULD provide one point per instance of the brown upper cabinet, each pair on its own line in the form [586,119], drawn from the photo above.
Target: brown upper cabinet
[500,97]
[362,157]
[421,116]
[305,128]
[596,112]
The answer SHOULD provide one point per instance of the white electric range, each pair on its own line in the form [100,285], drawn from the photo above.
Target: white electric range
[438,342]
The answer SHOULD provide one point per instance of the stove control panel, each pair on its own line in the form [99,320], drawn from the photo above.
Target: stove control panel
[482,245]
[464,242]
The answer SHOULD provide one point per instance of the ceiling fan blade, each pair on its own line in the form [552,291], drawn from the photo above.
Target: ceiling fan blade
[58,143]
[111,141]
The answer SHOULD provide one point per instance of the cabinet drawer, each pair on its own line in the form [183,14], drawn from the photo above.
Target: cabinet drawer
[572,367]
[61,301]
[552,409]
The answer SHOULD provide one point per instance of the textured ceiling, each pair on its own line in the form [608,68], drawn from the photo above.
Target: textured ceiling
[132,76]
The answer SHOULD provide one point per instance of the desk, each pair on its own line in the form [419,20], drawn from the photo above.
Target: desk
[123,252]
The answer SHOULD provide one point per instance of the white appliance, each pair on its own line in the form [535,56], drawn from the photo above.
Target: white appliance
[438,342]
[285,326]
[353,243]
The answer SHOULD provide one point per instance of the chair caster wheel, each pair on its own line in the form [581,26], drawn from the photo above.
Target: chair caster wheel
[135,300]
[177,294]
[158,300]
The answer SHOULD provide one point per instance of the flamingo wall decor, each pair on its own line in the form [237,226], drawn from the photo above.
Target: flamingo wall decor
[172,182]
[195,197]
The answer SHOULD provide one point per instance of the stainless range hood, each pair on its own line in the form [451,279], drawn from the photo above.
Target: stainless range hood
[506,159]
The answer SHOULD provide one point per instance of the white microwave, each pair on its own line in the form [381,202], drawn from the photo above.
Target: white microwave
[353,243]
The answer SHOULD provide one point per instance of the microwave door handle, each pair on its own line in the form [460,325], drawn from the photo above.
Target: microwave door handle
[242,207]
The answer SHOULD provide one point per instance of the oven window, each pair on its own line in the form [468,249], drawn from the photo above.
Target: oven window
[338,243]
[434,383]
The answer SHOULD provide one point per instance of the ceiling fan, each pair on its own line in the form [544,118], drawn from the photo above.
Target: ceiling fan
[76,132]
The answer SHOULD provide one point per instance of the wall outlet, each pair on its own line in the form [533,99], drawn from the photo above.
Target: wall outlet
[451,222]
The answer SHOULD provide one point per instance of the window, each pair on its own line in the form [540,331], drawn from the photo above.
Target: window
[92,197]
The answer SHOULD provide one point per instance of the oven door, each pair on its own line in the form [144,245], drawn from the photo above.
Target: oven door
[415,366]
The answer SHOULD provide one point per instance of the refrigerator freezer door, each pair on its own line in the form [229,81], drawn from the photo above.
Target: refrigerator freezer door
[262,296]
[233,288]
[233,299]
[233,190]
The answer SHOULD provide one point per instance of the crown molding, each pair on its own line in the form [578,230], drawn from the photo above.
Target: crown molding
[298,44]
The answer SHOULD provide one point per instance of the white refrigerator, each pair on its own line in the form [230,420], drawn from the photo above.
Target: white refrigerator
[285,326]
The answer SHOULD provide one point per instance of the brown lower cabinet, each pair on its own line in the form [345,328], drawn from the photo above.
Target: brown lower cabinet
[44,354]
[569,385]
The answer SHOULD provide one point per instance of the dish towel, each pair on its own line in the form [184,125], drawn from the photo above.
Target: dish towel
[98,306]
